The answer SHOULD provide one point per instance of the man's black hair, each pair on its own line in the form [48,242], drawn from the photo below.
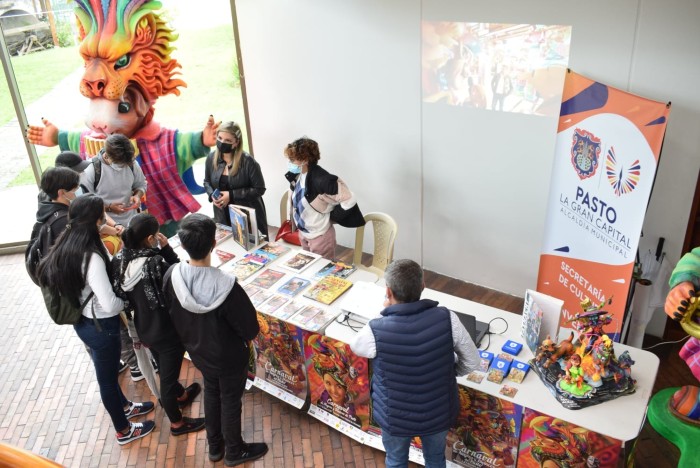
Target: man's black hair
[56,178]
[197,234]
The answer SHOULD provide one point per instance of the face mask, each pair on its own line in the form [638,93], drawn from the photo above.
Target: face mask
[79,192]
[224,147]
[294,168]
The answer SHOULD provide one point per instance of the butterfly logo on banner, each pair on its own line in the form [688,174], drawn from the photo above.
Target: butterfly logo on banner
[585,151]
[623,180]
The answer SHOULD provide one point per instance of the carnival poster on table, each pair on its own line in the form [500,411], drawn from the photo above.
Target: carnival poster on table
[280,368]
[486,433]
[547,439]
[338,384]
[605,161]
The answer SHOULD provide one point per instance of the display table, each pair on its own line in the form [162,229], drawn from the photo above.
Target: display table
[621,419]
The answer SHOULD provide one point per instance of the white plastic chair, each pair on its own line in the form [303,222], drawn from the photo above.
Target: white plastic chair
[385,230]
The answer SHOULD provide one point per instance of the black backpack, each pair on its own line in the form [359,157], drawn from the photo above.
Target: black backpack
[39,246]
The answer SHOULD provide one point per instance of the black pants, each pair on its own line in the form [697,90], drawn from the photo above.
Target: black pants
[222,407]
[169,359]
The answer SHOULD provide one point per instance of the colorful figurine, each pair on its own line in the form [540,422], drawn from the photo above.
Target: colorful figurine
[573,382]
[126,46]
[585,371]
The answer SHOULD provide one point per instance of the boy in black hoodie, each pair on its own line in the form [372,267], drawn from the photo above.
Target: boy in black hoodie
[215,320]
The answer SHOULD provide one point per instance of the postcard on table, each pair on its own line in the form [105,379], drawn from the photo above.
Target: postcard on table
[294,286]
[288,310]
[272,304]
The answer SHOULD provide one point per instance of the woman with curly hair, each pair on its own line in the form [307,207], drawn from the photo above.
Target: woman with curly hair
[318,199]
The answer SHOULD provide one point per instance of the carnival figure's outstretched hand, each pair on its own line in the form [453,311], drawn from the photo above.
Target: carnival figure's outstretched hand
[46,135]
[209,132]
[678,300]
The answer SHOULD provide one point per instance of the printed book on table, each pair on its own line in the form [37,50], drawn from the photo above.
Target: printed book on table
[294,286]
[328,289]
[540,318]
[221,256]
[223,232]
[272,250]
[300,261]
[267,278]
[252,223]
[337,269]
[247,266]
[239,226]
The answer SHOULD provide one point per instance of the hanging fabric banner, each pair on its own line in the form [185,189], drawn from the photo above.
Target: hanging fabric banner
[605,161]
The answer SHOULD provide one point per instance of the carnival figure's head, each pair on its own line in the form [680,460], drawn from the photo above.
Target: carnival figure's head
[126,46]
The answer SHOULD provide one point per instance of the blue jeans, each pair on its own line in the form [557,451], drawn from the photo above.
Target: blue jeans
[397,450]
[105,348]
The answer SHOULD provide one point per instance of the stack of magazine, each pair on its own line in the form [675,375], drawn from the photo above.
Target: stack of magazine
[248,265]
[245,226]
[272,250]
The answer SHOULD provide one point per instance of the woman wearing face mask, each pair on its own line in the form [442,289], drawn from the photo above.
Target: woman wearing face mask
[76,267]
[137,273]
[234,177]
[319,199]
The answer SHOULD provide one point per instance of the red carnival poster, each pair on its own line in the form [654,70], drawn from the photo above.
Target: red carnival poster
[280,369]
[338,383]
[605,161]
[548,441]
[486,433]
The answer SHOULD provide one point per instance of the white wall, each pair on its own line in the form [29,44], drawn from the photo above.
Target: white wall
[347,73]
[344,74]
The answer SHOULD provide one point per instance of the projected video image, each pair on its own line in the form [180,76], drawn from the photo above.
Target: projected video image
[504,67]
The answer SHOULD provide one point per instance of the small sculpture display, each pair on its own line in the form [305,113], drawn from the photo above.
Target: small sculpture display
[584,372]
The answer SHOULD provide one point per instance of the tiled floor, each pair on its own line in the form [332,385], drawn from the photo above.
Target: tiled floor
[50,403]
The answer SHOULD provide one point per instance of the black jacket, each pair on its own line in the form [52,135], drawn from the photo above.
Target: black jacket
[44,213]
[152,321]
[217,339]
[247,188]
[321,182]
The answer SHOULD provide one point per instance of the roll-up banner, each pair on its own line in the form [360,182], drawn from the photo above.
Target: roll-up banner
[605,161]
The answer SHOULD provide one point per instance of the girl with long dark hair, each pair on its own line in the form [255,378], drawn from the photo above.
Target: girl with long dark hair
[137,273]
[76,267]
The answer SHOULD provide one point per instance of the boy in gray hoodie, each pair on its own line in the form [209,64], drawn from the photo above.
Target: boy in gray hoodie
[215,320]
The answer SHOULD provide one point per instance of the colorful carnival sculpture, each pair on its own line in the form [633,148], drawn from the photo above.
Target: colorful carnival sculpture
[675,412]
[586,371]
[126,46]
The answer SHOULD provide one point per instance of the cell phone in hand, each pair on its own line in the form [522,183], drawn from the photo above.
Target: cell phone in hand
[216,194]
